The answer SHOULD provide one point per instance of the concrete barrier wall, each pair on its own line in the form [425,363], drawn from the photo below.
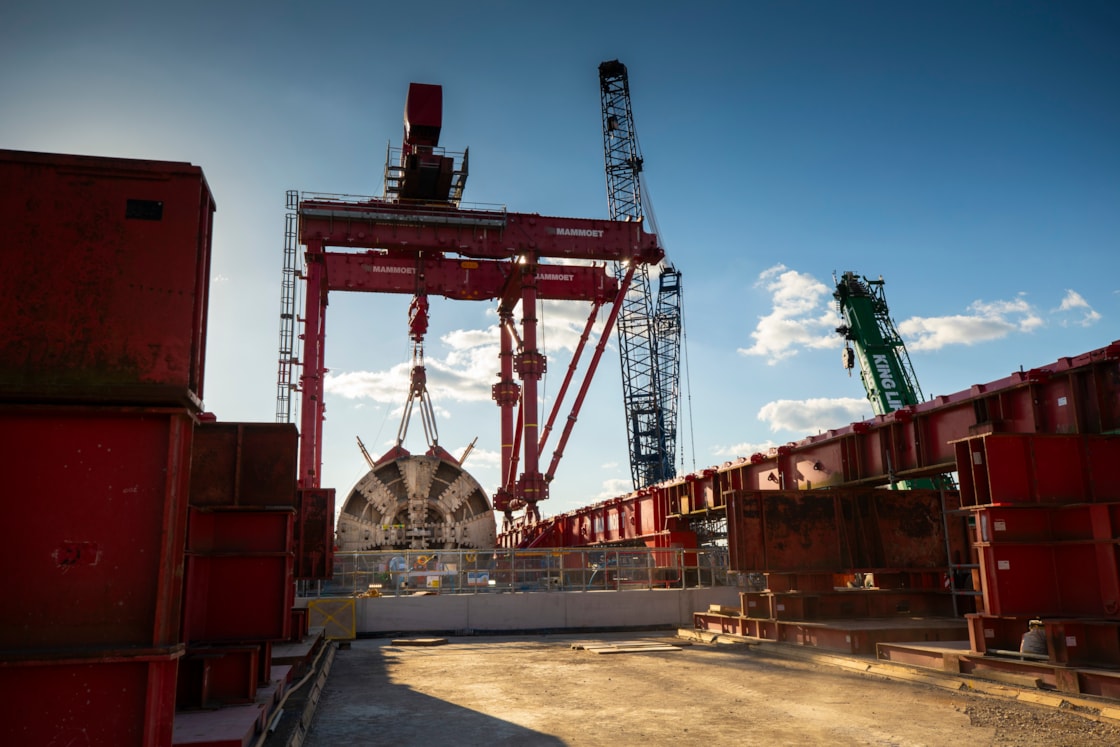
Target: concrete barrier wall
[528,611]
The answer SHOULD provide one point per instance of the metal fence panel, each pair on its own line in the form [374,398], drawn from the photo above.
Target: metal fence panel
[488,571]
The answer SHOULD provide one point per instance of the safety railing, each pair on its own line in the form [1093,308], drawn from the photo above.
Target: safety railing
[295,197]
[494,571]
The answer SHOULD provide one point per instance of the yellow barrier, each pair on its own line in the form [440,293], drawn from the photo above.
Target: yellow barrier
[337,617]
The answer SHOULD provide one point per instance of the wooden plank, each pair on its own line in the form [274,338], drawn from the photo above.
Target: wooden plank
[722,609]
[633,649]
[629,647]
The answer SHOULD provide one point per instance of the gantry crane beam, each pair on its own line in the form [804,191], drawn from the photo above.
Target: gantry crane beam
[465,254]
[461,279]
[479,234]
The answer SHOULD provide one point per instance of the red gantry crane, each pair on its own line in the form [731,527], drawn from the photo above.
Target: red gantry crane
[417,239]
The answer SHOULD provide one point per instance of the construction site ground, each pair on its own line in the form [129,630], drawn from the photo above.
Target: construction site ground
[671,688]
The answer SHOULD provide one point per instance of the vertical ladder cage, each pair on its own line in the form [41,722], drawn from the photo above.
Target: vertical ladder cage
[288,354]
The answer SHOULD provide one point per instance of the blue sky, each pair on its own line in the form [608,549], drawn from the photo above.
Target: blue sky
[965,151]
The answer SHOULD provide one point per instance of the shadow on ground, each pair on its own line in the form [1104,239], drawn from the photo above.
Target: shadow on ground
[362,707]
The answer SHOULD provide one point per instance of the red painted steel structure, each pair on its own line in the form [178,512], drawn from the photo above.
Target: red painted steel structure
[101,698]
[860,529]
[431,246]
[239,597]
[1062,677]
[245,465]
[1039,500]
[1038,468]
[859,641]
[98,405]
[95,539]
[313,535]
[1046,515]
[637,519]
[88,242]
[253,465]
[240,559]
[1074,395]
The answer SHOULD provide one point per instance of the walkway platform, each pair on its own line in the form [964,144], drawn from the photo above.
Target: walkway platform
[242,725]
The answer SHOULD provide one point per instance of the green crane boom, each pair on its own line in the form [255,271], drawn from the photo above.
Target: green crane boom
[884,364]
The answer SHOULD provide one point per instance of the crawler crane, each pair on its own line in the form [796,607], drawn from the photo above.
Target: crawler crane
[649,331]
[884,365]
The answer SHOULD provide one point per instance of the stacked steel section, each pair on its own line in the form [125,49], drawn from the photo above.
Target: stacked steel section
[1032,534]
[239,586]
[810,558]
[106,280]
[1074,395]
[1046,525]
[151,551]
[102,342]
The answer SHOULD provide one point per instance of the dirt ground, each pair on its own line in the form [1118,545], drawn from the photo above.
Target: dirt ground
[542,691]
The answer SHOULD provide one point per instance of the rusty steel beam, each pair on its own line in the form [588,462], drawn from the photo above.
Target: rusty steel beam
[1074,395]
[847,637]
[840,530]
[639,518]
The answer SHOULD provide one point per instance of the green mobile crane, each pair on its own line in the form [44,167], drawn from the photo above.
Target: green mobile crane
[884,364]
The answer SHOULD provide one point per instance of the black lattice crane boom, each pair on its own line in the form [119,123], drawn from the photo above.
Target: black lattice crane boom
[649,329]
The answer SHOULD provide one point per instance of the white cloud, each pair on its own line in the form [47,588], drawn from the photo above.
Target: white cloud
[389,386]
[743,449]
[465,339]
[934,333]
[479,458]
[464,375]
[613,488]
[803,316]
[808,416]
[1028,319]
[469,367]
[562,323]
[987,321]
[1074,302]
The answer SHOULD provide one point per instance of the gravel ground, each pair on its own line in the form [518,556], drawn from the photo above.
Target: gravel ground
[1019,726]
[542,691]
